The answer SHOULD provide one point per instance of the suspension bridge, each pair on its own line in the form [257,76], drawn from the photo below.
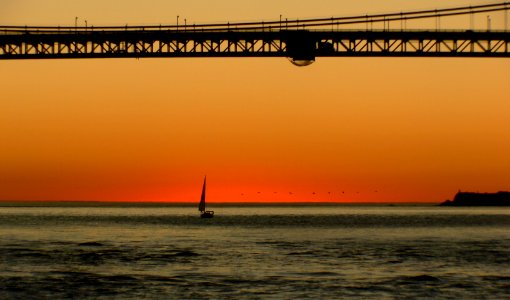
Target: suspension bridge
[302,41]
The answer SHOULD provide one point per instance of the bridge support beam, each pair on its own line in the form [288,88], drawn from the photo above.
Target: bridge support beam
[299,45]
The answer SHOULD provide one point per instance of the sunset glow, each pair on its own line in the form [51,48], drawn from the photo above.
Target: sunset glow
[262,130]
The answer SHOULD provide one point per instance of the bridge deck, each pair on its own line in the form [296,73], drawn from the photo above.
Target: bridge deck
[296,44]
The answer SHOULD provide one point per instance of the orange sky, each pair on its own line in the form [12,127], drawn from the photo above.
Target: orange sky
[348,129]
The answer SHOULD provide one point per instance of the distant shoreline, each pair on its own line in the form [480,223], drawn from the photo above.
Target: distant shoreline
[479,199]
[28,203]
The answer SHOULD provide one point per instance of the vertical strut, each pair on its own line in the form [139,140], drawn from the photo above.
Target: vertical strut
[506,17]
[471,21]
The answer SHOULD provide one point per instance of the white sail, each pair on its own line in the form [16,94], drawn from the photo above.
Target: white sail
[201,206]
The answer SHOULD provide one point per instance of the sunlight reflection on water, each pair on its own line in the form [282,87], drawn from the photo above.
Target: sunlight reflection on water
[255,252]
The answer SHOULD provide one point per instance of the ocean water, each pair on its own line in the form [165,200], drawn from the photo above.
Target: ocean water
[255,252]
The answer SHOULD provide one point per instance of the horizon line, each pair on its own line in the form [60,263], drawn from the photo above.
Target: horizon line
[4,203]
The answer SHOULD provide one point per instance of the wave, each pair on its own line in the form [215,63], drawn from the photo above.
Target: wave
[309,221]
[92,254]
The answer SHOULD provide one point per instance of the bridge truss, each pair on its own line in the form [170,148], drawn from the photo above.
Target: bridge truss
[299,40]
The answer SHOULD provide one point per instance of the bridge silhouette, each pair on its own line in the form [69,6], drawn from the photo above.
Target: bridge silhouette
[302,41]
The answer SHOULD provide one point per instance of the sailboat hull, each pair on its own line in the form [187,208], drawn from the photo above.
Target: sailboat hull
[207,214]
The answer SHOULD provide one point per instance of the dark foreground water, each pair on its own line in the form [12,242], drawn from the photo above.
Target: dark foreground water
[321,252]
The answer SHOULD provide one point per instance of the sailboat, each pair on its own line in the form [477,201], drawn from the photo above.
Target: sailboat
[201,206]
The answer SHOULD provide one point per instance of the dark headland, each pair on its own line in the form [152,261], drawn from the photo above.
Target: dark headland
[479,199]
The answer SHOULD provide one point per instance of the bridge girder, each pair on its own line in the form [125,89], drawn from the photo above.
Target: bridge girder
[296,44]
